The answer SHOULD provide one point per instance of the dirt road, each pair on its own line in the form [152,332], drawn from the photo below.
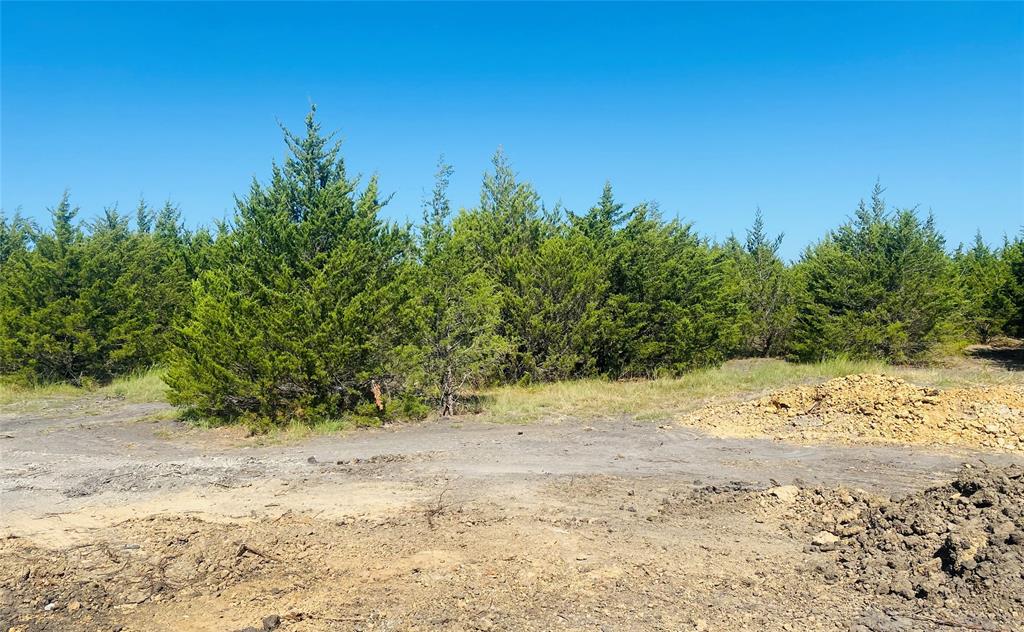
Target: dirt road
[115,521]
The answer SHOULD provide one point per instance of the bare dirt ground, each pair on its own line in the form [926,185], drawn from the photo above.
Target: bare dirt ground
[115,519]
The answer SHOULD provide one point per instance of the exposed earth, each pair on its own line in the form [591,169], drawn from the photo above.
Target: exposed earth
[877,409]
[860,516]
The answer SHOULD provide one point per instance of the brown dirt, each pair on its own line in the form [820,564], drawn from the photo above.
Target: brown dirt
[112,523]
[588,553]
[958,546]
[877,409]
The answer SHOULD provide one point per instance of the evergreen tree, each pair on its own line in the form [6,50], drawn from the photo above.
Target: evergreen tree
[555,308]
[675,299]
[88,305]
[1013,287]
[143,217]
[458,307]
[768,292]
[983,276]
[507,224]
[301,316]
[602,220]
[880,286]
[503,235]
[14,235]
[44,331]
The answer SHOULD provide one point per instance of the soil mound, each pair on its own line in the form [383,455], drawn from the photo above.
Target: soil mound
[878,408]
[959,545]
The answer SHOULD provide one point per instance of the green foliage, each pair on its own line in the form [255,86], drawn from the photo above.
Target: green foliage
[553,309]
[307,309]
[984,276]
[14,235]
[301,317]
[78,305]
[674,302]
[769,291]
[881,286]
[458,308]
[1013,286]
[43,328]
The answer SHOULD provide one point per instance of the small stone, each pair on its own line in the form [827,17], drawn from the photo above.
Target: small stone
[74,606]
[785,493]
[901,586]
[271,622]
[824,539]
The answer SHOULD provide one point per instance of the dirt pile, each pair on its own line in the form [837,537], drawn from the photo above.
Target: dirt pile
[878,408]
[958,546]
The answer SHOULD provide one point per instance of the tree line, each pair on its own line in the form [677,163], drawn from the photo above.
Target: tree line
[308,305]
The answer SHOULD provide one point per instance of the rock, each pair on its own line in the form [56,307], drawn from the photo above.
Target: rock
[74,606]
[958,551]
[271,622]
[785,493]
[311,460]
[824,538]
[901,586]
[985,498]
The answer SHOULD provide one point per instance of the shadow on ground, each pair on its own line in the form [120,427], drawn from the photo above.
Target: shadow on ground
[1010,358]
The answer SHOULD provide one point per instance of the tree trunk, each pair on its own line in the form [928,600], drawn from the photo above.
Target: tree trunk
[448,393]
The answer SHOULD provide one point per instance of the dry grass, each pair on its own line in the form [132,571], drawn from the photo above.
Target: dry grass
[591,398]
[138,388]
[736,380]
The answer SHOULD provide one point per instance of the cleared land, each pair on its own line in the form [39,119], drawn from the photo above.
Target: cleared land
[666,505]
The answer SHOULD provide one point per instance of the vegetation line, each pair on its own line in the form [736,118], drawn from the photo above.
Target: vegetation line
[307,307]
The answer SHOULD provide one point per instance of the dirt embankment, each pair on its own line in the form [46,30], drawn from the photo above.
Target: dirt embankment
[877,409]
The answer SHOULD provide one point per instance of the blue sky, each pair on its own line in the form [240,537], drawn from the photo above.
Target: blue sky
[710,109]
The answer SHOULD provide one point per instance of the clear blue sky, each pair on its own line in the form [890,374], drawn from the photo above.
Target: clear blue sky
[709,109]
